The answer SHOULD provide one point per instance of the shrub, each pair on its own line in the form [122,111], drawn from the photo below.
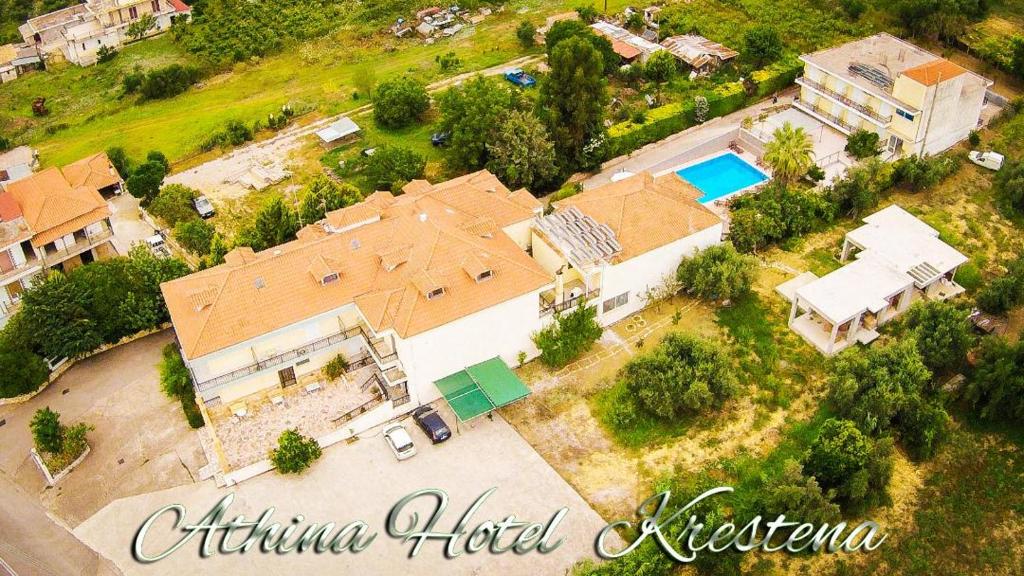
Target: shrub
[132,81]
[234,133]
[916,173]
[448,62]
[47,432]
[762,45]
[943,334]
[105,54]
[168,81]
[682,375]
[525,33]
[295,452]
[717,272]
[974,138]
[777,76]
[1009,187]
[173,204]
[399,102]
[324,195]
[798,496]
[391,167]
[275,223]
[195,235]
[660,67]
[996,389]
[1004,292]
[336,367]
[21,370]
[176,382]
[119,159]
[861,188]
[775,214]
[568,336]
[847,463]
[863,144]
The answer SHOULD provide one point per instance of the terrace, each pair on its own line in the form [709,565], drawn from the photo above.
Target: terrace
[245,432]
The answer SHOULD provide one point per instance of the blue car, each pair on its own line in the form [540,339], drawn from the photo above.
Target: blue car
[520,78]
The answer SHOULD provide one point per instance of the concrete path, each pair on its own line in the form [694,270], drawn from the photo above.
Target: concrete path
[362,481]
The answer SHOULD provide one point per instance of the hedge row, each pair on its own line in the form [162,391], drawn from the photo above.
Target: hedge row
[664,121]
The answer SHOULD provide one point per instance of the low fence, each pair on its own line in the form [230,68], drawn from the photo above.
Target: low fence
[52,480]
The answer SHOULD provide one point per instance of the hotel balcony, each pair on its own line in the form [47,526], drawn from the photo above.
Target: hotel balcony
[826,117]
[549,306]
[865,111]
[83,242]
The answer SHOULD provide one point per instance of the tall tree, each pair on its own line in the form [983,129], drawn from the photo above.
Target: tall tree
[790,153]
[275,223]
[762,45]
[323,195]
[56,314]
[573,99]
[471,113]
[521,152]
[392,167]
[399,102]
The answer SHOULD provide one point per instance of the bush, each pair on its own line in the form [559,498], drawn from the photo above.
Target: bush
[173,204]
[105,54]
[235,133]
[777,76]
[762,45]
[917,173]
[661,67]
[399,102]
[392,167]
[168,81]
[683,375]
[848,464]
[717,273]
[47,432]
[21,370]
[195,235]
[119,159]
[974,138]
[525,33]
[294,452]
[336,367]
[275,223]
[1004,292]
[132,81]
[777,213]
[863,144]
[861,188]
[943,334]
[324,195]
[996,389]
[176,382]
[568,336]
[1009,187]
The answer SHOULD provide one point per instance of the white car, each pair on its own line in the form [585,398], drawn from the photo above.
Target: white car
[203,206]
[157,246]
[400,442]
[990,160]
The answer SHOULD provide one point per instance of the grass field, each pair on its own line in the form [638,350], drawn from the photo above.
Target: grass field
[87,113]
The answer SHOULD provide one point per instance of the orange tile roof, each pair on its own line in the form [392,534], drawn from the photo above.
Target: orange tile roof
[95,171]
[52,207]
[259,293]
[931,73]
[645,213]
[626,51]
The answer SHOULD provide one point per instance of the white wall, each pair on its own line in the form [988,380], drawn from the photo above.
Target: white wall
[503,330]
[637,274]
[957,108]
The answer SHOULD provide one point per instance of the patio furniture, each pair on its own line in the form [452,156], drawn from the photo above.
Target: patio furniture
[239,410]
[277,400]
[310,388]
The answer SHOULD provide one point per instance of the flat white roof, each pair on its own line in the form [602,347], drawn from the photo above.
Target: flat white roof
[863,284]
[340,129]
[906,242]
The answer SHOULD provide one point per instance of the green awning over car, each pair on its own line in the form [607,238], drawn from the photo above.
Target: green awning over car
[481,388]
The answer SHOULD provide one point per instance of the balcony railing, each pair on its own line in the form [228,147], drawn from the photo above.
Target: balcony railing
[815,111]
[53,257]
[28,265]
[845,100]
[570,303]
[374,356]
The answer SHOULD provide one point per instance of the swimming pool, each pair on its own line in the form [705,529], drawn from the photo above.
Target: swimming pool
[721,176]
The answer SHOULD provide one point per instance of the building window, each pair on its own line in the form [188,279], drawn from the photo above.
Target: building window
[905,114]
[613,303]
[435,293]
[485,275]
[333,277]
[156,6]
[133,12]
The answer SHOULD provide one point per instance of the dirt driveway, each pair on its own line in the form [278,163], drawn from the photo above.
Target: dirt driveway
[141,442]
[362,481]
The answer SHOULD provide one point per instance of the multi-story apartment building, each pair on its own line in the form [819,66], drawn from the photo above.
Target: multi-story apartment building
[916,101]
[430,282]
[54,219]
[78,32]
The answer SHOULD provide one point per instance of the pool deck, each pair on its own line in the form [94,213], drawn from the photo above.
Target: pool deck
[677,150]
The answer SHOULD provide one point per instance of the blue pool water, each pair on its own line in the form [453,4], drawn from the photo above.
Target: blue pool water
[721,176]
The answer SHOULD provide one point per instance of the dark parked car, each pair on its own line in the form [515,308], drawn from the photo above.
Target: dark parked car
[440,138]
[432,424]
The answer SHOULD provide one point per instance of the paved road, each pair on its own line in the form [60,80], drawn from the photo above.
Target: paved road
[33,544]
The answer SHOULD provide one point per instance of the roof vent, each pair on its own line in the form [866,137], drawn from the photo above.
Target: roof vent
[277,252]
[355,244]
[259,283]
[423,216]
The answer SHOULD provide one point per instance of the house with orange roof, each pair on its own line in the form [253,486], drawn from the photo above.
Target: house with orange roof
[422,285]
[54,219]
[918,102]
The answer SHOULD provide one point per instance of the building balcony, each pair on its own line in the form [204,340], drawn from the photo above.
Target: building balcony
[549,306]
[857,107]
[826,117]
[28,267]
[86,242]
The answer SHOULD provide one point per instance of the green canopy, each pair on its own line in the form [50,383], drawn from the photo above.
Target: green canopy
[481,388]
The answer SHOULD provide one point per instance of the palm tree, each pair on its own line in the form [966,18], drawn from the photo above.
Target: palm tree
[790,153]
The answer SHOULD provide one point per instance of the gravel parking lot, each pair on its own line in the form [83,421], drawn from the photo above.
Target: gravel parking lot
[362,481]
